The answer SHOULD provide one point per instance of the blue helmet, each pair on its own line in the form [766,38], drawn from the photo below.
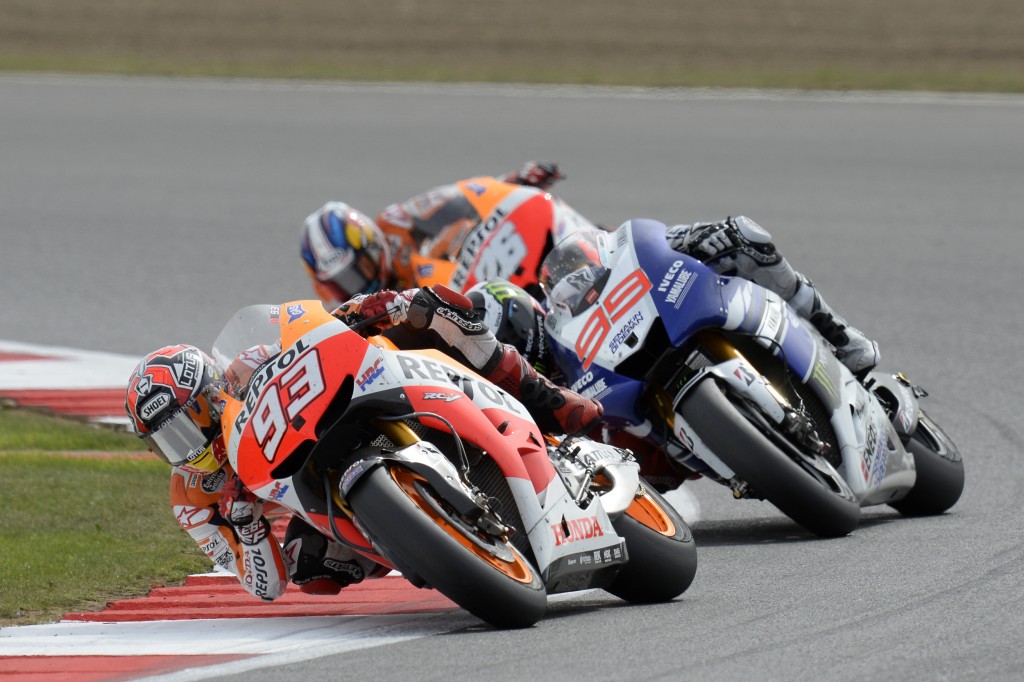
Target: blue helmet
[345,253]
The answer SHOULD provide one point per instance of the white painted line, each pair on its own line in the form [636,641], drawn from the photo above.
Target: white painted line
[685,502]
[223,636]
[63,368]
[528,90]
[328,642]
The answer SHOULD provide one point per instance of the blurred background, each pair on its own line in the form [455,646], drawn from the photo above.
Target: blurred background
[963,45]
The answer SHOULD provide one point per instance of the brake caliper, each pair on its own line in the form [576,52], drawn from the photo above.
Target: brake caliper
[800,428]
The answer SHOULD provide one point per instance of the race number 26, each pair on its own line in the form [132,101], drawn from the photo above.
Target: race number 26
[503,254]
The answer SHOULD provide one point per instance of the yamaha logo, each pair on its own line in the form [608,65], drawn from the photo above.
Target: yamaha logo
[154,405]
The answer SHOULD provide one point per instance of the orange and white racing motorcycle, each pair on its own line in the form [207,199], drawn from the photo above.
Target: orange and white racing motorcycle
[518,227]
[416,462]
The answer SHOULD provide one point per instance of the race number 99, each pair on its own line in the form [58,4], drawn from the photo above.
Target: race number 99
[614,306]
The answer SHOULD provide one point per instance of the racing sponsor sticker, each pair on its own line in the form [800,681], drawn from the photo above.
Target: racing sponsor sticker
[278,491]
[152,406]
[622,336]
[370,375]
[295,312]
[213,482]
[574,530]
[446,397]
[676,284]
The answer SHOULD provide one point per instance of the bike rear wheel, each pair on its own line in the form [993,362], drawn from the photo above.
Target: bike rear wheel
[807,499]
[662,553]
[940,471]
[422,535]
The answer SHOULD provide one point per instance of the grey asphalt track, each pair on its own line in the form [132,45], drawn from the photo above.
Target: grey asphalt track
[140,212]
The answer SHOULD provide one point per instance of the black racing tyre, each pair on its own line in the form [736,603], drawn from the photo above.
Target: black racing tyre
[484,575]
[662,553]
[940,471]
[803,497]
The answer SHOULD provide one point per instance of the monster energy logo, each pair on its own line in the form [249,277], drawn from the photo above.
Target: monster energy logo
[821,375]
[502,291]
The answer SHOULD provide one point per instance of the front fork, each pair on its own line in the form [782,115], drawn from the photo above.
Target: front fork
[728,366]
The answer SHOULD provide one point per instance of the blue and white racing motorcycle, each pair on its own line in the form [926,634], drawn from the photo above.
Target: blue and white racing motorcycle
[734,385]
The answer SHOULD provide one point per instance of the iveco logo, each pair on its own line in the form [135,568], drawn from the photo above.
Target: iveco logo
[155,405]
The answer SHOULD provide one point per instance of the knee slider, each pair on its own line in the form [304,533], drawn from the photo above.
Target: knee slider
[314,564]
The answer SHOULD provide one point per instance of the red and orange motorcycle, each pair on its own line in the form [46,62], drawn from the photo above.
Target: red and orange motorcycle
[518,226]
[416,462]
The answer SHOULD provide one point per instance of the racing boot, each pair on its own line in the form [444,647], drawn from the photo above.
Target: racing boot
[458,327]
[859,353]
[320,565]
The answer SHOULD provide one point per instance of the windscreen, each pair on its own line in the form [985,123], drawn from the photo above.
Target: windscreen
[249,326]
[573,274]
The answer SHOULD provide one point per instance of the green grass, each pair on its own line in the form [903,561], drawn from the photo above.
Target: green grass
[79,531]
[25,430]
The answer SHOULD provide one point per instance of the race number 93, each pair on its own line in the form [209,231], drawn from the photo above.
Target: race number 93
[284,400]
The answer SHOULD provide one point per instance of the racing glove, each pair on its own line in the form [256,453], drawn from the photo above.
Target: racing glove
[244,511]
[735,238]
[539,174]
[368,306]
[245,365]
[710,240]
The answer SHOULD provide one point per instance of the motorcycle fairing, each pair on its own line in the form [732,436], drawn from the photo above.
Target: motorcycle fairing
[667,280]
[876,465]
[728,303]
[496,422]
[511,438]
[288,396]
[565,537]
[619,394]
[569,539]
[435,383]
[898,393]
[509,241]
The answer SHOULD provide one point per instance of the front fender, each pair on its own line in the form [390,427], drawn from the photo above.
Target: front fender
[898,394]
[743,379]
[426,460]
